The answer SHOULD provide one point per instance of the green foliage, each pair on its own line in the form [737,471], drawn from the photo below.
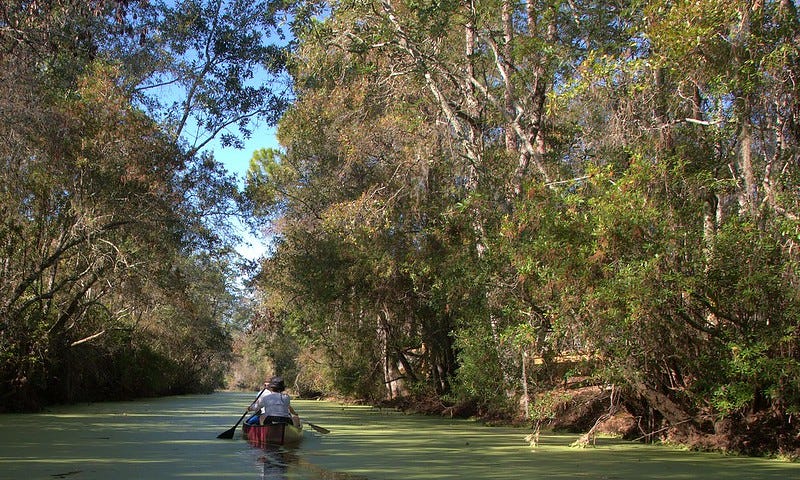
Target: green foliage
[205,69]
[754,362]
[115,259]
[267,179]
[472,203]
[546,406]
[480,376]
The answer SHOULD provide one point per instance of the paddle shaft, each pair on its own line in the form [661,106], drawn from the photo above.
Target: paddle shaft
[229,433]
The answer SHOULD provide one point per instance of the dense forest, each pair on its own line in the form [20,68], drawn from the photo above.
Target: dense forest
[483,208]
[118,274]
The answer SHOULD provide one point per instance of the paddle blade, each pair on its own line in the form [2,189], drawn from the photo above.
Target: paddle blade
[227,433]
[318,428]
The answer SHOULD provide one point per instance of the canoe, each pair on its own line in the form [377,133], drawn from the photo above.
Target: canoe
[274,434]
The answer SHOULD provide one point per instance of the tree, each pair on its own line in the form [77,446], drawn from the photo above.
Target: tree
[593,187]
[113,263]
[205,69]
[675,169]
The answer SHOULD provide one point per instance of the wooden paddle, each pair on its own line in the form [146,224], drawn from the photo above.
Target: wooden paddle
[316,427]
[229,432]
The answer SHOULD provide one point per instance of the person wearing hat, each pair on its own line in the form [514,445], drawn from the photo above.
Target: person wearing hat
[274,405]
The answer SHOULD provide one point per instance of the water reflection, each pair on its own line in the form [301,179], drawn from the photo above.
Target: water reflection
[283,463]
[275,463]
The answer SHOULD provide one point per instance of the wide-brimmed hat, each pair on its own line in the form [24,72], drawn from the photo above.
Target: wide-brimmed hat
[276,384]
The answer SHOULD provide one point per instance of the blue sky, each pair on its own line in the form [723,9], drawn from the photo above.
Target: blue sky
[237,162]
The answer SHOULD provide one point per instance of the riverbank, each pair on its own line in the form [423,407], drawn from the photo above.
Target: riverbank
[589,412]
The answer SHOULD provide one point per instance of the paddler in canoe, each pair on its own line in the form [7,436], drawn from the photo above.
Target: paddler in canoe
[273,405]
[274,418]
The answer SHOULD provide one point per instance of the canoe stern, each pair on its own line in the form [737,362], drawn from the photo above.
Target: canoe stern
[275,434]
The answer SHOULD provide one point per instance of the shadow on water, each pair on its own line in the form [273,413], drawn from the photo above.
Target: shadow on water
[175,438]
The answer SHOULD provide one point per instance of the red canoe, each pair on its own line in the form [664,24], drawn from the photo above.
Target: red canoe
[275,434]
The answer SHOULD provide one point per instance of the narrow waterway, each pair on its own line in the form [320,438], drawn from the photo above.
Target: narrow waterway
[175,437]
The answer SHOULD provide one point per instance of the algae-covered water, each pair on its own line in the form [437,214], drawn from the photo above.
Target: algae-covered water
[175,437]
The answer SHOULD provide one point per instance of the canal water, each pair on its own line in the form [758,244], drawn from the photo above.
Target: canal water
[176,438]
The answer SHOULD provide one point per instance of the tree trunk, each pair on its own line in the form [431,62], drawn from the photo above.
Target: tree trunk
[508,38]
[675,416]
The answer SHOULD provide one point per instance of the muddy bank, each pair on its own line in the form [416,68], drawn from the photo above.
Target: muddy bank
[589,411]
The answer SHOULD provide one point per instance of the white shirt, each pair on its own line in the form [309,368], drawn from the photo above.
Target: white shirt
[273,404]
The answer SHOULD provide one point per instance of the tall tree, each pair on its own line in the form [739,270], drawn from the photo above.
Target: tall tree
[673,243]
[105,216]
[604,187]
